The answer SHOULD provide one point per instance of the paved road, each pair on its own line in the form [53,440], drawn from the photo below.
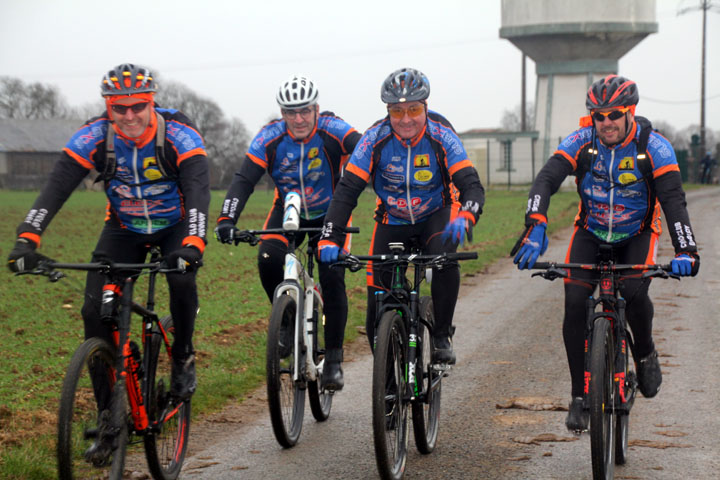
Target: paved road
[509,345]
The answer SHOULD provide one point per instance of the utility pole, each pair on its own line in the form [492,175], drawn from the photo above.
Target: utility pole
[705,5]
[523,126]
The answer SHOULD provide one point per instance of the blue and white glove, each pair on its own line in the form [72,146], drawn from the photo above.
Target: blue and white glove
[533,245]
[328,251]
[685,265]
[455,230]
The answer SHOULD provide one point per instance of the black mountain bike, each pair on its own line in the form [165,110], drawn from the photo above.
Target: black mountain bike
[404,377]
[118,394]
[610,381]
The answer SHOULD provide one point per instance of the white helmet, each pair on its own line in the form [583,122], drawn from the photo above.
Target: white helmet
[297,92]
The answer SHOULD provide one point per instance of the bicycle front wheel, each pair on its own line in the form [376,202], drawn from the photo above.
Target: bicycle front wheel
[286,398]
[167,436]
[320,400]
[389,408]
[426,409]
[93,416]
[602,397]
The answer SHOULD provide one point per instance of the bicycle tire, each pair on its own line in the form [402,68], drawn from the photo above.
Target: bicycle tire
[389,410]
[426,410]
[286,398]
[602,397]
[165,441]
[320,400]
[80,423]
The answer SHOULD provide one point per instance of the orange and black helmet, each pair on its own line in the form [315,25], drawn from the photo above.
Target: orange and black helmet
[612,91]
[128,79]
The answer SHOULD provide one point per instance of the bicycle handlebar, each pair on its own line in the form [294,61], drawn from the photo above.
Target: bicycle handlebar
[555,270]
[250,236]
[49,267]
[355,262]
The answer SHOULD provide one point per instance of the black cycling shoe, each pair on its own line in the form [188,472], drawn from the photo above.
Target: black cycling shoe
[183,380]
[443,350]
[98,454]
[649,375]
[332,375]
[577,417]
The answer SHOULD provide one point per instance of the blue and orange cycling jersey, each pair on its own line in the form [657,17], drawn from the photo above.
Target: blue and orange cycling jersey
[412,179]
[617,202]
[142,199]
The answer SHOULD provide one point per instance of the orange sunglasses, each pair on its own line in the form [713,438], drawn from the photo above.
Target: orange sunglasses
[398,112]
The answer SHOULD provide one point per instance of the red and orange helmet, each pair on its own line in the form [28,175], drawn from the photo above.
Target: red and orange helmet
[612,91]
[128,79]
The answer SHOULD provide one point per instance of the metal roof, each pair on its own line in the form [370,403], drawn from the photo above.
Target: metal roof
[47,135]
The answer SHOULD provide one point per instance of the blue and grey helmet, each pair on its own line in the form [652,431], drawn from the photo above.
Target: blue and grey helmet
[405,85]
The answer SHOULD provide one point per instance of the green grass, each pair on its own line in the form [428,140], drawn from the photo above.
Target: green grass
[41,326]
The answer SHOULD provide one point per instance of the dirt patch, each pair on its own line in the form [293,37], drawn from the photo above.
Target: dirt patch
[18,427]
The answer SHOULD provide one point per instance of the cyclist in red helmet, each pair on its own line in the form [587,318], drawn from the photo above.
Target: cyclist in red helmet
[158,192]
[625,172]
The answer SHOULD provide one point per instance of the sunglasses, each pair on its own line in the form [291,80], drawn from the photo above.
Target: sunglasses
[304,112]
[612,115]
[398,112]
[122,109]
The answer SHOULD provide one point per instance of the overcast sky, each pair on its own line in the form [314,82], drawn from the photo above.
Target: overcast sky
[237,52]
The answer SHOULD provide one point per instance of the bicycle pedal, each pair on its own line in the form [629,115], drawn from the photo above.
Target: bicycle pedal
[442,367]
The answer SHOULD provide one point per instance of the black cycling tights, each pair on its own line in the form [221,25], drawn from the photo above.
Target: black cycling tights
[639,308]
[445,282]
[124,246]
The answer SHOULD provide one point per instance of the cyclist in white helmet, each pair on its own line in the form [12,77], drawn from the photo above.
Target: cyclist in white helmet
[303,151]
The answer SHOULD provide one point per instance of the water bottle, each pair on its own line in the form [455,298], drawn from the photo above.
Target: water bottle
[291,217]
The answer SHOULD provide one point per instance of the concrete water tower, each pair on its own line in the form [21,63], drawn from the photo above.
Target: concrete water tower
[573,43]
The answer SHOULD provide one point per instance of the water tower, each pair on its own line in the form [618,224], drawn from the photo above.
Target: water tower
[573,43]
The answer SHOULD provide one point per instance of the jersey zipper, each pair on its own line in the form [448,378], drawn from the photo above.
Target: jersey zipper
[407,186]
[612,197]
[302,182]
[139,190]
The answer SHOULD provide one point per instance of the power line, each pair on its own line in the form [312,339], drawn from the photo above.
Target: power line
[677,102]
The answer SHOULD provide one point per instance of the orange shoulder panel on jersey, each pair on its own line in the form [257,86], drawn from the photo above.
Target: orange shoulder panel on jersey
[460,165]
[258,161]
[573,161]
[352,168]
[667,168]
[79,159]
[191,153]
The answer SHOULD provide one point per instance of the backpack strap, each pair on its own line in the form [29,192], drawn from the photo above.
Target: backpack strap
[110,159]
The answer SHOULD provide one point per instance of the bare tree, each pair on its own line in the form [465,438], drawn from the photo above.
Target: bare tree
[34,100]
[511,118]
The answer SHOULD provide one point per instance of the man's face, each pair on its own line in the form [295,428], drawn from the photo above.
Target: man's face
[300,121]
[611,125]
[407,119]
[131,115]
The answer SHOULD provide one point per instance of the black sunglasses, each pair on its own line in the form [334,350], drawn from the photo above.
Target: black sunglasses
[612,115]
[122,109]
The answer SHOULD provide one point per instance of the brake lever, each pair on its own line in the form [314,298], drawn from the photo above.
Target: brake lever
[551,273]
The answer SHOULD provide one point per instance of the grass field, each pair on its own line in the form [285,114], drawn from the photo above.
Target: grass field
[41,326]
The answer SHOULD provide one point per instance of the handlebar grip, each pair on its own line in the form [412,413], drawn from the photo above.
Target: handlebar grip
[466,255]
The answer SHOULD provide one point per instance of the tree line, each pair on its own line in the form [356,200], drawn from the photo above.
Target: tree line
[226,139]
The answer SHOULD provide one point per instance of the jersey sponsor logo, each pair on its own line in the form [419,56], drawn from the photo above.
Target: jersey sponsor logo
[423,175]
[312,153]
[599,167]
[155,190]
[123,191]
[392,188]
[614,237]
[147,161]
[626,178]
[286,166]
[393,178]
[394,168]
[627,193]
[422,161]
[402,202]
[314,176]
[152,174]
[599,192]
[627,163]
[316,162]
[156,223]
[287,180]
[396,159]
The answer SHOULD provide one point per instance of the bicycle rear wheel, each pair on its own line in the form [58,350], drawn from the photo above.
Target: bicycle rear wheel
[93,415]
[167,436]
[389,409]
[286,398]
[320,400]
[602,398]
[426,410]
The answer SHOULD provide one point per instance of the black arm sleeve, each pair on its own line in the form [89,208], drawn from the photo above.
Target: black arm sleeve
[66,175]
[472,193]
[547,182]
[194,182]
[343,203]
[241,188]
[669,191]
[350,141]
